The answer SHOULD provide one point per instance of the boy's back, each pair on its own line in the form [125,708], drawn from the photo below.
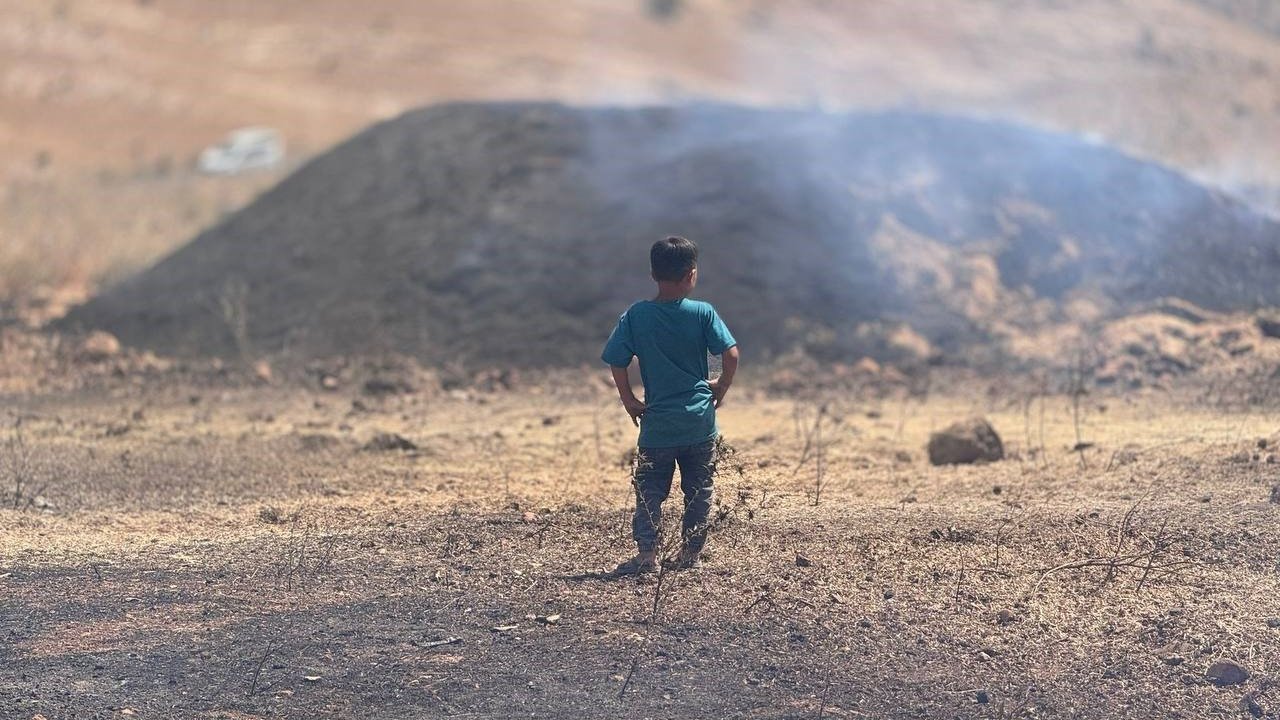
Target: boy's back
[672,335]
[672,340]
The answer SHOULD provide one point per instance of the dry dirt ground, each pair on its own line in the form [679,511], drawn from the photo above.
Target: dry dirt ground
[203,548]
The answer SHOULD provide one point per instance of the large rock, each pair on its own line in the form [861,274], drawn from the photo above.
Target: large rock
[968,441]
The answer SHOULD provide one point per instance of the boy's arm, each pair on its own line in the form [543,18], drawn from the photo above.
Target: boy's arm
[729,366]
[635,408]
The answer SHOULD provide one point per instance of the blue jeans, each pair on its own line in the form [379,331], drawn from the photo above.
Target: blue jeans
[655,468]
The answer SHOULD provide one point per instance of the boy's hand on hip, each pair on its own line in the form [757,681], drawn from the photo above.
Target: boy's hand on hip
[635,408]
[718,391]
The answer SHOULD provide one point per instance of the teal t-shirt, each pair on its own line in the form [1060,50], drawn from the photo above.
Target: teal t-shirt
[672,340]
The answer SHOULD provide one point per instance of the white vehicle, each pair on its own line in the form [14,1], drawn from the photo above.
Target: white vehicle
[244,149]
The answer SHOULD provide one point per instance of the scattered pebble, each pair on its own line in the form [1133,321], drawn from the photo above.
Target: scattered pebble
[1226,672]
[383,442]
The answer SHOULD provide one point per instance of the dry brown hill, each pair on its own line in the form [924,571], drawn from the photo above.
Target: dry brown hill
[513,234]
[103,103]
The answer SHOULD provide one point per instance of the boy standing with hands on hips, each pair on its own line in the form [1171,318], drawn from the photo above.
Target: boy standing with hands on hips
[671,335]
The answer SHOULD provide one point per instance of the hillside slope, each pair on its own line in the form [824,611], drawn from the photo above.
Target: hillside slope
[513,234]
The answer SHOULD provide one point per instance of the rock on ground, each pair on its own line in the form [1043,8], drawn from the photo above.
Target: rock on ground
[383,442]
[1225,672]
[99,346]
[968,441]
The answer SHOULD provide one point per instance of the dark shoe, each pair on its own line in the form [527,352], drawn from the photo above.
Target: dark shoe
[635,566]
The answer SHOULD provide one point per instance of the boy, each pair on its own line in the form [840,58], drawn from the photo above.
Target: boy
[671,335]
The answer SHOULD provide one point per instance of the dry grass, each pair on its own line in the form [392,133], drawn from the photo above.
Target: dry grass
[62,236]
[232,546]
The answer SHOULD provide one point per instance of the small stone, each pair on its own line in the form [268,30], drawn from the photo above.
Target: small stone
[802,561]
[1174,660]
[385,386]
[1273,622]
[99,346]
[270,514]
[311,678]
[1126,457]
[864,623]
[866,366]
[888,594]
[1268,325]
[1226,672]
[1005,617]
[982,697]
[329,382]
[262,371]
[389,441]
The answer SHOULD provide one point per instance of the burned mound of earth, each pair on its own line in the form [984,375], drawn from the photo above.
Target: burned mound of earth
[514,234]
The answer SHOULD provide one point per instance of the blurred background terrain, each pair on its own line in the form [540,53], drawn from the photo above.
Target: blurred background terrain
[104,105]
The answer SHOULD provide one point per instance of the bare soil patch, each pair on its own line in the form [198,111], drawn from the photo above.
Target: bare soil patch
[217,561]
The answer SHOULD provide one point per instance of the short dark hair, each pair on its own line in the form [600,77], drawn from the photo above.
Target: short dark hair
[673,258]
